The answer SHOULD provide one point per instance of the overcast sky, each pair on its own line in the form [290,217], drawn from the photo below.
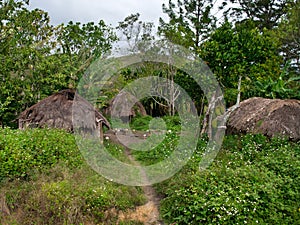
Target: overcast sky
[111,11]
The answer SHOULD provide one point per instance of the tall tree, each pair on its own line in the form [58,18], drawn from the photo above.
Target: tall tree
[139,36]
[87,40]
[81,44]
[136,33]
[265,13]
[25,40]
[38,59]
[241,52]
[190,22]
[289,33]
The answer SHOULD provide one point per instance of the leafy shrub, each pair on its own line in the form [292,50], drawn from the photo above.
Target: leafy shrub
[173,122]
[141,123]
[159,147]
[46,181]
[252,181]
[22,152]
[64,196]
[159,152]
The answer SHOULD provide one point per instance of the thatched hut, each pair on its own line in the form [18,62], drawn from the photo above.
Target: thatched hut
[125,106]
[55,111]
[271,117]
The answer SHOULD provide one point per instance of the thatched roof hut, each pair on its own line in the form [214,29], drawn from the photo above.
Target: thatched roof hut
[271,117]
[125,106]
[55,111]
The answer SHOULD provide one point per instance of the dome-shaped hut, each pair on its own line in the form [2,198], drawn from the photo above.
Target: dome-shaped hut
[125,106]
[271,117]
[56,111]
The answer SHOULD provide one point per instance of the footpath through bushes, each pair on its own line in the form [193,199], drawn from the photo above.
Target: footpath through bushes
[253,180]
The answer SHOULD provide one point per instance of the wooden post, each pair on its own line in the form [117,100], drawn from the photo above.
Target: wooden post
[101,131]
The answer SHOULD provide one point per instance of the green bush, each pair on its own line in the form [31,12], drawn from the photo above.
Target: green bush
[23,152]
[157,153]
[64,196]
[141,123]
[252,181]
[46,181]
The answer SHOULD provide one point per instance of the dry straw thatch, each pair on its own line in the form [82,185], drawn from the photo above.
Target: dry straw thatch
[271,117]
[55,111]
[126,106]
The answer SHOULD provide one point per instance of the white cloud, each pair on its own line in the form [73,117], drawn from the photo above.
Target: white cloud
[111,11]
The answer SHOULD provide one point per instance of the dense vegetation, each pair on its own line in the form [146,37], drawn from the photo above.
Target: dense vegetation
[257,42]
[45,180]
[254,180]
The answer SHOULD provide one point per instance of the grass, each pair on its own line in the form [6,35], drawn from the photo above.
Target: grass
[47,183]
[64,197]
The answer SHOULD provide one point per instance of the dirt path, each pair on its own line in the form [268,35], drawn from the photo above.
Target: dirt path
[148,214]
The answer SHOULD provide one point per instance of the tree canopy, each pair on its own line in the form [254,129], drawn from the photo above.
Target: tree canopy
[38,58]
[257,41]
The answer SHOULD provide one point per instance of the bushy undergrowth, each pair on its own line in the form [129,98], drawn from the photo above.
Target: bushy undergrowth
[159,152]
[253,181]
[144,122]
[67,197]
[141,123]
[165,146]
[23,152]
[46,181]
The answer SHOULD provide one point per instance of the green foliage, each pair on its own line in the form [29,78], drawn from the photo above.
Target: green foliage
[45,180]
[116,151]
[265,14]
[159,152]
[191,87]
[138,34]
[25,40]
[241,51]
[165,147]
[39,59]
[190,22]
[173,123]
[24,152]
[141,123]
[253,180]
[283,87]
[86,40]
[64,196]
[288,32]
